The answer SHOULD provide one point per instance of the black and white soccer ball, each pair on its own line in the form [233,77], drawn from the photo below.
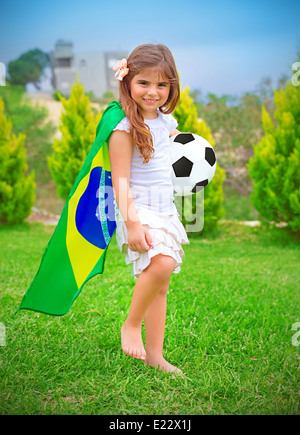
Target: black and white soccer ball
[193,163]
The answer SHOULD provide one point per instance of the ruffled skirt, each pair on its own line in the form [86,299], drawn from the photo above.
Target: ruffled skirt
[167,233]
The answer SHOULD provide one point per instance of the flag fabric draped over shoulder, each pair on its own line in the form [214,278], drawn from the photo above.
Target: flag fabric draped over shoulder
[76,251]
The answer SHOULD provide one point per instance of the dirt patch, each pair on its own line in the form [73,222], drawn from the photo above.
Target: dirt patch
[39,215]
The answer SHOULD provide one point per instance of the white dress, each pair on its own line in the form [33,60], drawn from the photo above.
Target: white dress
[152,190]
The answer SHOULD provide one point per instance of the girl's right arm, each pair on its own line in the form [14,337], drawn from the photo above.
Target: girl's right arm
[120,153]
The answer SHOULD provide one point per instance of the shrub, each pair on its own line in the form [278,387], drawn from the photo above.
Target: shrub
[78,126]
[17,190]
[275,166]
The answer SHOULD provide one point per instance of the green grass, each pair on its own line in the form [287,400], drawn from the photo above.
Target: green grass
[229,319]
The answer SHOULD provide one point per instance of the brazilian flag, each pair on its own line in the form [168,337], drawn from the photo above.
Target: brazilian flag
[77,249]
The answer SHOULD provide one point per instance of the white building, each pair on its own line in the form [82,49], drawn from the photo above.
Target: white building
[94,69]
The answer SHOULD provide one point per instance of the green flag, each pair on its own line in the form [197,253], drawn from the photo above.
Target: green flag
[77,249]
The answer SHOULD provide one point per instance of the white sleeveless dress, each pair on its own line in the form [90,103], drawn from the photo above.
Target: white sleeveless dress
[152,189]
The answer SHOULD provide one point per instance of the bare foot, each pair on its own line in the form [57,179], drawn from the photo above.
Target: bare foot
[132,343]
[160,363]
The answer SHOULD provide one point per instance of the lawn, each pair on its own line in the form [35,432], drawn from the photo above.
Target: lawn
[229,328]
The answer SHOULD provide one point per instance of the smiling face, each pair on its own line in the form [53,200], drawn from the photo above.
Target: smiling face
[150,91]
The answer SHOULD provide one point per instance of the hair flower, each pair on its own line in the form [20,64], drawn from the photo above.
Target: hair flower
[121,68]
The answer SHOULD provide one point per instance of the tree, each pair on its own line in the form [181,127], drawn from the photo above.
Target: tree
[17,190]
[186,116]
[78,126]
[31,119]
[28,67]
[235,124]
[107,98]
[275,166]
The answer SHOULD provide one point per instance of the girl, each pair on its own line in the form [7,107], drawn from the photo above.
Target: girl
[148,229]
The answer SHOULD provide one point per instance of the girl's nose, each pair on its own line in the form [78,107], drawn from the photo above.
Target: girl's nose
[151,91]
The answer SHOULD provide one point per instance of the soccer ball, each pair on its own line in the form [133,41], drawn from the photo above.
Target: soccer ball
[193,163]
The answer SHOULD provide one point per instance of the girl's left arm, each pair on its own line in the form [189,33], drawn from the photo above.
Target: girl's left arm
[174,132]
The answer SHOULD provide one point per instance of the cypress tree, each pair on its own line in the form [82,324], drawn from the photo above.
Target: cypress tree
[275,166]
[78,126]
[17,189]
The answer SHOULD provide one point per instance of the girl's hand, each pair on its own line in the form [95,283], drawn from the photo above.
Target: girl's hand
[139,238]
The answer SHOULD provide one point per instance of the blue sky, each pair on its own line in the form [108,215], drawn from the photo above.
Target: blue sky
[223,47]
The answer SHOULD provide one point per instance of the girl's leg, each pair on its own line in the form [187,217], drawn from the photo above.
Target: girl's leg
[155,319]
[146,288]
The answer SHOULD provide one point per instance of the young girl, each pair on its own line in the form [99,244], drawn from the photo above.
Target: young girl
[148,228]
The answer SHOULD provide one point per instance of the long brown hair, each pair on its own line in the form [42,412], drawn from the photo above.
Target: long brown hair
[156,56]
